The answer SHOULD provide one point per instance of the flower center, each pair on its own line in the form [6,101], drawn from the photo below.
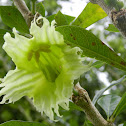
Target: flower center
[36,52]
[47,58]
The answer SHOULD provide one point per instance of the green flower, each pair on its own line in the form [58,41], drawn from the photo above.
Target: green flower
[45,68]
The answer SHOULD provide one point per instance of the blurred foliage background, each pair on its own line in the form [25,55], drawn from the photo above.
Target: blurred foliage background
[91,81]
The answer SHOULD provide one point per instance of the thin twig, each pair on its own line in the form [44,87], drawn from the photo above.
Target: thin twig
[26,13]
[83,100]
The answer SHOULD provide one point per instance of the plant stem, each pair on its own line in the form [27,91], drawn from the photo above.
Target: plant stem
[26,13]
[83,101]
[33,6]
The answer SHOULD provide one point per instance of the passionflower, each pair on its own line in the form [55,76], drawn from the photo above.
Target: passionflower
[45,70]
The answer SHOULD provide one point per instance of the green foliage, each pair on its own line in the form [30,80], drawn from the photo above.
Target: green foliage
[88,123]
[100,93]
[13,18]
[21,123]
[120,107]
[62,19]
[124,124]
[51,17]
[40,9]
[74,106]
[2,33]
[91,14]
[109,103]
[112,28]
[98,64]
[120,4]
[91,45]
[33,0]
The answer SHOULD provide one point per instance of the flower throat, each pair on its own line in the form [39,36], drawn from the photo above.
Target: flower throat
[47,61]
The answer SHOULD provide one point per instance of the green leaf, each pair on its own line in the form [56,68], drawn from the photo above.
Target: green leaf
[2,33]
[100,93]
[98,64]
[91,45]
[62,19]
[91,14]
[51,17]
[69,18]
[124,124]
[87,123]
[112,28]
[73,106]
[73,122]
[21,123]
[120,107]
[110,105]
[40,9]
[13,18]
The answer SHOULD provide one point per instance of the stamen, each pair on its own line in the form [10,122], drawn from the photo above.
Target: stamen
[44,48]
[30,54]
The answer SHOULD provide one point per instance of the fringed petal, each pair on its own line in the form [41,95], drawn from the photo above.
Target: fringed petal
[46,68]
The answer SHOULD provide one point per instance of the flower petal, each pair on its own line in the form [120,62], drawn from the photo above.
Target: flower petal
[46,68]
[18,49]
[46,34]
[18,83]
[22,49]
